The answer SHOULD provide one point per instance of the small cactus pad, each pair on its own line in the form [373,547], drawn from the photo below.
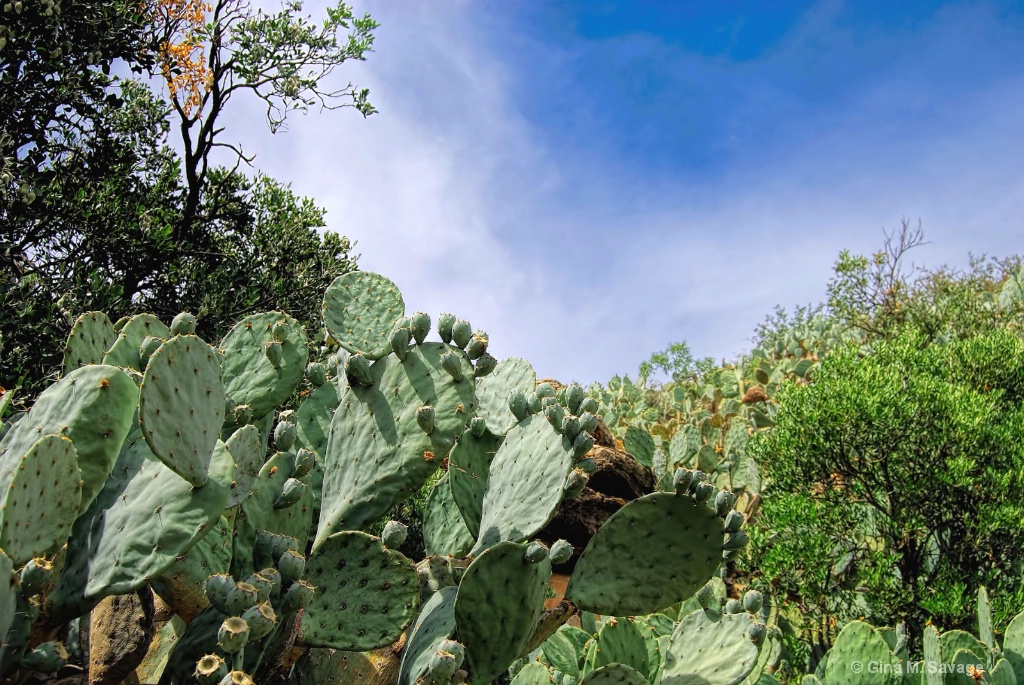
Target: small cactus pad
[249,376]
[444,530]
[468,468]
[360,309]
[493,392]
[318,666]
[679,536]
[366,594]
[377,454]
[620,641]
[434,624]
[126,350]
[1013,644]
[42,500]
[90,338]
[709,647]
[246,449]
[145,516]
[513,589]
[525,483]
[859,642]
[313,424]
[93,407]
[621,674]
[8,593]
[181,406]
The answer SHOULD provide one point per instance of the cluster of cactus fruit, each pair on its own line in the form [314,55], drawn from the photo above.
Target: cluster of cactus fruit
[864,654]
[147,468]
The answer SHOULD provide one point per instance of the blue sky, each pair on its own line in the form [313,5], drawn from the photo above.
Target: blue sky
[591,181]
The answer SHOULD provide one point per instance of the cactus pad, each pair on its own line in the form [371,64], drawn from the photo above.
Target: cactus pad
[125,352]
[674,533]
[42,500]
[181,406]
[246,449]
[249,376]
[90,338]
[619,674]
[144,517]
[360,309]
[859,642]
[434,624]
[366,594]
[444,530]
[8,594]
[510,587]
[525,483]
[468,467]
[493,392]
[620,641]
[708,647]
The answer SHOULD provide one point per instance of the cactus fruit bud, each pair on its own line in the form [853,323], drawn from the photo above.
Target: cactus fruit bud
[555,414]
[394,534]
[291,565]
[425,419]
[477,345]
[589,404]
[284,435]
[303,462]
[455,649]
[534,402]
[485,365]
[683,479]
[544,390]
[419,326]
[445,323]
[450,362]
[570,426]
[574,396]
[536,552]
[183,324]
[291,492]
[737,540]
[560,552]
[241,597]
[731,554]
[756,632]
[237,678]
[723,502]
[35,575]
[705,597]
[273,352]
[441,667]
[210,669]
[48,657]
[279,331]
[218,588]
[588,422]
[261,620]
[316,373]
[462,332]
[574,483]
[703,491]
[400,337]
[477,426]
[733,521]
[587,465]
[519,405]
[296,596]
[233,634]
[582,444]
[263,587]
[752,601]
[242,414]
[150,344]
[283,543]
[357,368]
[734,606]
[272,576]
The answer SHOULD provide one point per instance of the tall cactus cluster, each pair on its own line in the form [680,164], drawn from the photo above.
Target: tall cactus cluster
[161,477]
[864,654]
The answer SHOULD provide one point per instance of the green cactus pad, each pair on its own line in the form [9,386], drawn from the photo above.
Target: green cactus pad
[561,654]
[434,624]
[444,530]
[257,513]
[640,444]
[249,377]
[336,667]
[181,406]
[377,455]
[8,594]
[360,309]
[533,673]
[468,467]
[860,643]
[246,449]
[620,641]
[673,533]
[125,350]
[712,648]
[513,590]
[366,594]
[524,486]
[183,586]
[1013,645]
[960,665]
[90,338]
[93,407]
[1001,673]
[42,500]
[145,516]
[952,641]
[619,674]
[313,424]
[493,392]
